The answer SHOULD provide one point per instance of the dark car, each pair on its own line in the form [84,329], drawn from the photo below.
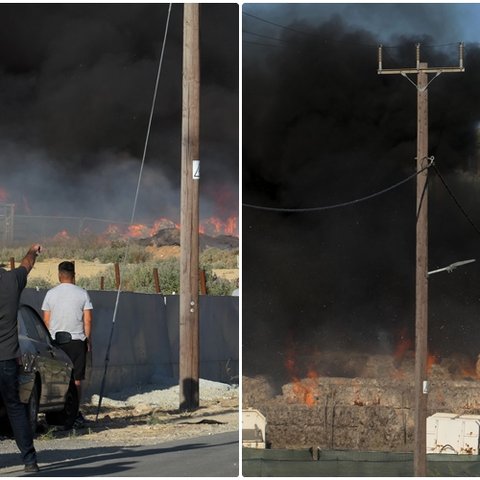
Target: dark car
[46,378]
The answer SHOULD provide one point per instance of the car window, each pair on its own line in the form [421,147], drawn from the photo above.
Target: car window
[27,325]
[34,326]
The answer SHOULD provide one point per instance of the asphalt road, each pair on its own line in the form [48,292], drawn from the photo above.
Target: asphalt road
[207,456]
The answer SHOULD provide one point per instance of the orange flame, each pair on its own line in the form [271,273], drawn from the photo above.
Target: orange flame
[216,226]
[137,231]
[432,359]
[303,392]
[210,226]
[470,371]
[303,389]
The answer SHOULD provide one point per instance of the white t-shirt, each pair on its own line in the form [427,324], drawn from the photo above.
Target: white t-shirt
[66,303]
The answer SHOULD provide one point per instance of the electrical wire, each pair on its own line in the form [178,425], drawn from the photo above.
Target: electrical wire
[440,45]
[134,208]
[343,204]
[457,203]
[276,24]
[264,36]
[262,44]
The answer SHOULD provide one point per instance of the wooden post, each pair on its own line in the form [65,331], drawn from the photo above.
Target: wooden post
[12,263]
[117,276]
[102,283]
[421,296]
[156,280]
[189,256]
[203,282]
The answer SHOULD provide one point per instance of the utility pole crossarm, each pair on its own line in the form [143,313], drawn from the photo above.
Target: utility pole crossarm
[415,70]
[406,71]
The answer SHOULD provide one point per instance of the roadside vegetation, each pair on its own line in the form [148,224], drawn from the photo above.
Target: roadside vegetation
[137,274]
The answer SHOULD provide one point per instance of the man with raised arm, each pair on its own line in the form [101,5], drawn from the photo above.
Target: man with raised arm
[12,283]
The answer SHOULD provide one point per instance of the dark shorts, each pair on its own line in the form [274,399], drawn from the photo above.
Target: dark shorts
[77,351]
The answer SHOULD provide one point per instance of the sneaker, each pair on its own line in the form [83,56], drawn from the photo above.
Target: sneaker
[31,468]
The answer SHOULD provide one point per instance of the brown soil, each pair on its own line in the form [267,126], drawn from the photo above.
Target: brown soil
[144,425]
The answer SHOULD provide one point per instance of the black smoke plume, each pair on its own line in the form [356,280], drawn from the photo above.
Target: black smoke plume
[321,127]
[76,86]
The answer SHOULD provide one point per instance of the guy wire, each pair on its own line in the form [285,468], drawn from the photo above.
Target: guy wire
[134,208]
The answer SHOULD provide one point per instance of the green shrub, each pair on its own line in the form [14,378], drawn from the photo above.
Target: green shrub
[111,253]
[217,258]
[220,286]
[137,275]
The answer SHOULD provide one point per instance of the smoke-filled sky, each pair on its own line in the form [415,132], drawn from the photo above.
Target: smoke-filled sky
[321,127]
[76,87]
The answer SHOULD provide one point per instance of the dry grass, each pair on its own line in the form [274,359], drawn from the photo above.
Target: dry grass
[48,269]
[230,274]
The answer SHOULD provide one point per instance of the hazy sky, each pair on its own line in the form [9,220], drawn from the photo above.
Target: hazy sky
[383,20]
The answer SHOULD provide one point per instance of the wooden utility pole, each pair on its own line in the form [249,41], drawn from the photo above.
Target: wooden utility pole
[421,273]
[421,280]
[189,245]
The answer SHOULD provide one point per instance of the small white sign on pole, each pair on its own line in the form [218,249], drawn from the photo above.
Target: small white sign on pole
[196,169]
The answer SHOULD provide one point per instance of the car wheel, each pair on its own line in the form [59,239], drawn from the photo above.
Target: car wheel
[67,416]
[33,402]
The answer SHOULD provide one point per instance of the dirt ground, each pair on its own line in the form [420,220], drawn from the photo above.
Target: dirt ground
[144,425]
[48,269]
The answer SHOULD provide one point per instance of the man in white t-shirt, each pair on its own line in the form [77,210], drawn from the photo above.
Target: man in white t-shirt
[67,308]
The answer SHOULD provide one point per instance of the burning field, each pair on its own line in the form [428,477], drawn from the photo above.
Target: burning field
[152,264]
[357,401]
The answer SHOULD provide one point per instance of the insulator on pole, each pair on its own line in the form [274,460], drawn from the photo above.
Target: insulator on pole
[380,56]
[417,48]
[460,54]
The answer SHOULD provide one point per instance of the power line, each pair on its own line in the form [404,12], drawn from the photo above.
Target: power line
[457,203]
[339,42]
[263,44]
[343,204]
[276,24]
[264,36]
